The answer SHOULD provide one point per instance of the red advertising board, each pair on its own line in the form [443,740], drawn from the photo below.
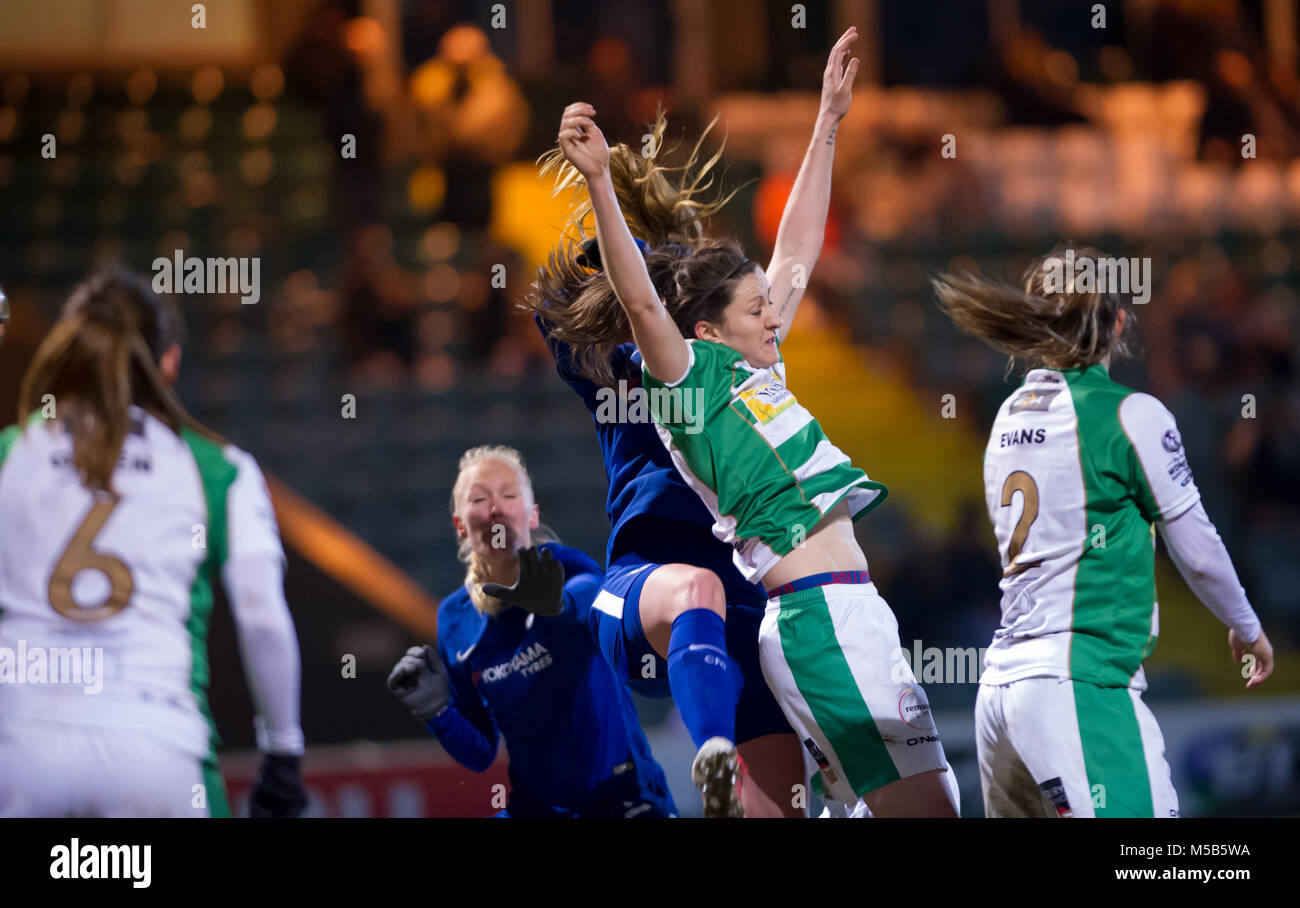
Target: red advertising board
[415,779]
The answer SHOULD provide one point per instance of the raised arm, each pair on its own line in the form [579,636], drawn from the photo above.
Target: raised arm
[803,224]
[662,346]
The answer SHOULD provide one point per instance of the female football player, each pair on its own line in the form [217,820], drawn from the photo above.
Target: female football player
[1079,473]
[779,492]
[117,513]
[671,593]
[515,657]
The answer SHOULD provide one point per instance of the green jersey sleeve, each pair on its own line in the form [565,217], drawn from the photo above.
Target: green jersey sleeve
[704,388]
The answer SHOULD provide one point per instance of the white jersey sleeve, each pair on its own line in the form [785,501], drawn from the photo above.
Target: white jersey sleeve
[1154,434]
[251,528]
[253,575]
[269,647]
[1193,543]
[1195,547]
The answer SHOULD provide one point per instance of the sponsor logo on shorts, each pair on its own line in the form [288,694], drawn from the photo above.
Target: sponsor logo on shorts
[922,739]
[1171,441]
[914,709]
[1054,791]
[820,758]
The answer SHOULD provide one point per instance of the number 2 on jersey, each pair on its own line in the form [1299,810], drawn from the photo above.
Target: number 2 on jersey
[1021,482]
[79,556]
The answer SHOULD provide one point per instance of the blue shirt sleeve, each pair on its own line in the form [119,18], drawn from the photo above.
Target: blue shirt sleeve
[465,729]
[582,579]
[561,352]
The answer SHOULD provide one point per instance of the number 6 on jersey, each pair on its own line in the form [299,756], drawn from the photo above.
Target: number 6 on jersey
[79,556]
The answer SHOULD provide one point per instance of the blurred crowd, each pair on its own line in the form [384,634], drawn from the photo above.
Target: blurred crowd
[401,263]
[1144,151]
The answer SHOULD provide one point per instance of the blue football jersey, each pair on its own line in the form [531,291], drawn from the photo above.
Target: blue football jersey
[576,746]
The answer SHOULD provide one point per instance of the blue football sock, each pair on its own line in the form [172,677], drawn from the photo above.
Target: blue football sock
[704,679]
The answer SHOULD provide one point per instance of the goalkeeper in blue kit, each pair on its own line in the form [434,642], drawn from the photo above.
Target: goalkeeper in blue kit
[516,660]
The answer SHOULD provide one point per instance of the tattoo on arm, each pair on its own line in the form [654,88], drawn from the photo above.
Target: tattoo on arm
[789,296]
[830,139]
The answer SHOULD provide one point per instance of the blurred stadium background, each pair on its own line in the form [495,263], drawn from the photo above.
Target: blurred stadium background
[1171,132]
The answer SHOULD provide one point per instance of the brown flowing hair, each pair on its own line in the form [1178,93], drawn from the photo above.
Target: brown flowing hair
[1059,329]
[101,357]
[665,207]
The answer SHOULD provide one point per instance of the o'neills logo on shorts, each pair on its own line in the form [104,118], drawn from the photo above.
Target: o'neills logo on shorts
[914,709]
[526,662]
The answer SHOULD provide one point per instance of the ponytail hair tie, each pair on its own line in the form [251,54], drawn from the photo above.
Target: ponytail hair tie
[590,255]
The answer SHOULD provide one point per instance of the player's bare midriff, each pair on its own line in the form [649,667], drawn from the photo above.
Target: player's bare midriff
[830,547]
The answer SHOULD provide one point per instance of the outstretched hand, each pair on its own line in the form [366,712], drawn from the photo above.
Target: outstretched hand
[1262,651]
[540,588]
[581,140]
[837,80]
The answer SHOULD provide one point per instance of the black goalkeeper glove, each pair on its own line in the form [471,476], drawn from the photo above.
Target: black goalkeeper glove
[540,588]
[278,791]
[419,680]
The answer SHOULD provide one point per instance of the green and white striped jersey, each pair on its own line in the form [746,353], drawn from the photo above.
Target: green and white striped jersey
[1077,471]
[123,578]
[759,461]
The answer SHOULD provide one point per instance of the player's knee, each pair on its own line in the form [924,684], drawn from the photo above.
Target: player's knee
[698,588]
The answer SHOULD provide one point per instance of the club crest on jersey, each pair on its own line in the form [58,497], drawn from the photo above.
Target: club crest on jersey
[1033,399]
[767,402]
